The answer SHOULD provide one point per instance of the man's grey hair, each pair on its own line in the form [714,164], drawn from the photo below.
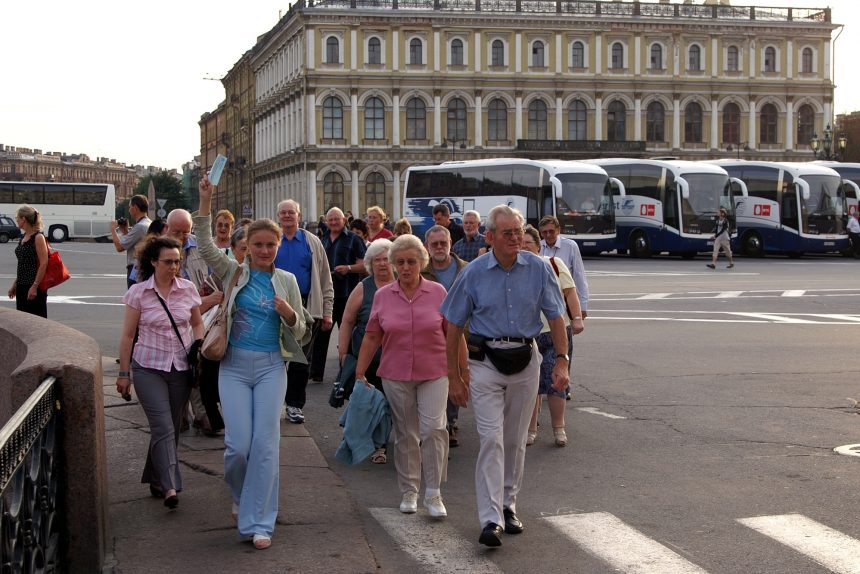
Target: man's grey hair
[293,201]
[374,250]
[503,210]
[435,229]
[473,212]
[336,210]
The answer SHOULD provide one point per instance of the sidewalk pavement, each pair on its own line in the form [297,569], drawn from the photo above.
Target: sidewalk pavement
[318,527]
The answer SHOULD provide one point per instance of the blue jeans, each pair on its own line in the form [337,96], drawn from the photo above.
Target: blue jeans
[252,386]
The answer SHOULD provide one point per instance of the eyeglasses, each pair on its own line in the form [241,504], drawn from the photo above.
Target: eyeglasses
[170,262]
[404,262]
[511,233]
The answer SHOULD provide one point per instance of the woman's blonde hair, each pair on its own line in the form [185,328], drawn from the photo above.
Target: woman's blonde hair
[378,211]
[31,216]
[405,242]
[264,224]
[402,227]
[225,213]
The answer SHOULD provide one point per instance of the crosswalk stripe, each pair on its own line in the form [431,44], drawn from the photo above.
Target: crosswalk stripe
[626,549]
[596,411]
[832,549]
[728,294]
[655,296]
[773,317]
[794,293]
[434,544]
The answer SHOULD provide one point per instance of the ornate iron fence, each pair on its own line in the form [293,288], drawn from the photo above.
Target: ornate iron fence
[31,531]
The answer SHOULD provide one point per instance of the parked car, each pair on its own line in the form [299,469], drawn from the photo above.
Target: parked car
[8,229]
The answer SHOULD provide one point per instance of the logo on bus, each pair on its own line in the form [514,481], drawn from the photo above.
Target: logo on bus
[762,210]
[647,209]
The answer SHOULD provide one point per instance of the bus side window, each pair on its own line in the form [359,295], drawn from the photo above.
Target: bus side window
[645,180]
[28,193]
[6,195]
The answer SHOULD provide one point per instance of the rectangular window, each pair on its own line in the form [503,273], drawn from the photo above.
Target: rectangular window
[90,195]
[28,193]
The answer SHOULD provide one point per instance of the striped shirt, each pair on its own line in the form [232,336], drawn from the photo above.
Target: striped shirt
[157,346]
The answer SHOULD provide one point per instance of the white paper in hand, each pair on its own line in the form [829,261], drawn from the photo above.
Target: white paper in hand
[217,169]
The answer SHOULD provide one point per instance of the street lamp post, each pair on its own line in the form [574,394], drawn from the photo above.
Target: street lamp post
[454,142]
[738,146]
[823,148]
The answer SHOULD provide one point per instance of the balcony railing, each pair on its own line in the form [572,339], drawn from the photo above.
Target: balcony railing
[582,8]
[592,146]
[31,532]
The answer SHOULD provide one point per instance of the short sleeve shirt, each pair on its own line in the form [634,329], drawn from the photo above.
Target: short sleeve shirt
[294,255]
[346,249]
[130,239]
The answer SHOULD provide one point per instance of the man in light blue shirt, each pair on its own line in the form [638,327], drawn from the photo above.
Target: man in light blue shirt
[501,295]
[553,245]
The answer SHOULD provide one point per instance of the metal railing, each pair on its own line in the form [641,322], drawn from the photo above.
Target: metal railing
[602,146]
[31,533]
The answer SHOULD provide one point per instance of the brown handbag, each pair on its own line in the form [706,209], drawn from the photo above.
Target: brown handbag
[215,340]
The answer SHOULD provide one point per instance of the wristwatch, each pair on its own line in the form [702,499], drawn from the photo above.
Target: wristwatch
[566,357]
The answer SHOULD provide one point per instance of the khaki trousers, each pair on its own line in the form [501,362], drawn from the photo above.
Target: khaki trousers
[420,436]
[503,406]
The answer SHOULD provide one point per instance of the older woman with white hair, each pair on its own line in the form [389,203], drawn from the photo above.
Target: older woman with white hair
[406,321]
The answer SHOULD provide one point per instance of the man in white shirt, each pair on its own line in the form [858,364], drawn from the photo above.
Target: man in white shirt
[553,245]
[854,233]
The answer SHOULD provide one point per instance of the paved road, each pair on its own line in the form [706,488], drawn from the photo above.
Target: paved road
[706,408]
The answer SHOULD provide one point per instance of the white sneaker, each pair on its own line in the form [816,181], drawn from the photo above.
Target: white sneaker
[295,415]
[435,507]
[409,504]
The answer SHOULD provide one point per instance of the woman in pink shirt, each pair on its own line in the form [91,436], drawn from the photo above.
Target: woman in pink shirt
[160,362]
[406,321]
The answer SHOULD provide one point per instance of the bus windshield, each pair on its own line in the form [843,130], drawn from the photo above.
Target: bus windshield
[708,193]
[822,212]
[585,205]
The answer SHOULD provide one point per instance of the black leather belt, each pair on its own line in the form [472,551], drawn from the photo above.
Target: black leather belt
[523,340]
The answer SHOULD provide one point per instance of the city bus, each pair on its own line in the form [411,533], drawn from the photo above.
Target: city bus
[850,173]
[669,205]
[577,193]
[791,208]
[68,210]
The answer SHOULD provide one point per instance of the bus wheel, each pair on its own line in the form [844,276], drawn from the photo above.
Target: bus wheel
[58,233]
[688,255]
[753,245]
[639,247]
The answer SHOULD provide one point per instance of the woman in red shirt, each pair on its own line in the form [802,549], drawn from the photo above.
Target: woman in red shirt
[375,222]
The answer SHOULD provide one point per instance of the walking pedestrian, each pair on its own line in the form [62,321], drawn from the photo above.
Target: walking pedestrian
[722,240]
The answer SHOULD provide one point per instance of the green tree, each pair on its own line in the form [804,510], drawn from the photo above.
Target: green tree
[122,209]
[166,187]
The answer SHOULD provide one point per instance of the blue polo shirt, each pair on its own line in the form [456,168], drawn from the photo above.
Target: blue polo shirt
[294,255]
[504,303]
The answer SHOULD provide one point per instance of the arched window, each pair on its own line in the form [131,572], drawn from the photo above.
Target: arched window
[374,119]
[457,52]
[577,59]
[498,53]
[332,50]
[537,120]
[577,121]
[617,55]
[537,54]
[732,59]
[655,122]
[332,118]
[695,58]
[693,123]
[374,51]
[416,119]
[732,124]
[333,191]
[806,61]
[616,122]
[457,120]
[768,129]
[415,51]
[770,59]
[656,57]
[374,190]
[497,120]
[805,124]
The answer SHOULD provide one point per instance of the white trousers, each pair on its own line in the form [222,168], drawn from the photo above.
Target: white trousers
[503,406]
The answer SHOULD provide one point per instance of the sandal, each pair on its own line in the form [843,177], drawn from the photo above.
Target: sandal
[261,541]
[530,439]
[560,436]
[379,456]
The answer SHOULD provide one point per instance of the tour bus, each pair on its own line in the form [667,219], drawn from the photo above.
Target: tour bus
[68,210]
[850,173]
[669,206]
[578,194]
[791,208]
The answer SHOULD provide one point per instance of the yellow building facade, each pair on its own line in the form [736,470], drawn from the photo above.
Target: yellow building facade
[350,93]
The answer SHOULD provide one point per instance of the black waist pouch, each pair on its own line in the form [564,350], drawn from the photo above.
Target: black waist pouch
[509,361]
[475,344]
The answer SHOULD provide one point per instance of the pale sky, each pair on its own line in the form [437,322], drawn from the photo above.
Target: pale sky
[104,78]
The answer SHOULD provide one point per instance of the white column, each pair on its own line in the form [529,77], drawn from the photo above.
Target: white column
[789,59]
[395,121]
[558,54]
[828,54]
[598,118]
[676,124]
[715,61]
[437,120]
[478,48]
[353,121]
[518,121]
[637,114]
[395,50]
[353,49]
[752,58]
[715,141]
[479,127]
[598,54]
[828,115]
[312,195]
[637,55]
[396,207]
[311,119]
[355,191]
[559,114]
[310,46]
[300,124]
[436,50]
[753,141]
[789,127]
[518,56]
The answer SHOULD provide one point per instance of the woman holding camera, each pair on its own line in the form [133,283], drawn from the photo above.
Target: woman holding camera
[160,364]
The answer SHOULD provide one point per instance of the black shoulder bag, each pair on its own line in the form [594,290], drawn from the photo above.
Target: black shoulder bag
[193,354]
